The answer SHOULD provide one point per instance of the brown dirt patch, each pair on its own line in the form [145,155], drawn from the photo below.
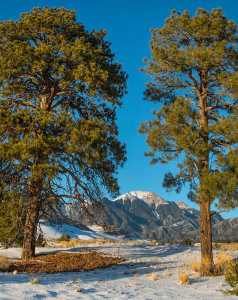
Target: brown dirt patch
[65,262]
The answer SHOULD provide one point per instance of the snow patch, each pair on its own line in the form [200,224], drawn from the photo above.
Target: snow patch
[182,205]
[149,198]
[52,231]
[119,282]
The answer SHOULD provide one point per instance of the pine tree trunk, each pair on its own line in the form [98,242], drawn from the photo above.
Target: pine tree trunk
[206,235]
[205,216]
[32,220]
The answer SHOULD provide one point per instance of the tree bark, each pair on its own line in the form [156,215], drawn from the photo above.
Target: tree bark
[206,235]
[32,220]
[205,216]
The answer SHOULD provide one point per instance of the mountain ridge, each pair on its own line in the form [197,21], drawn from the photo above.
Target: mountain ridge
[146,215]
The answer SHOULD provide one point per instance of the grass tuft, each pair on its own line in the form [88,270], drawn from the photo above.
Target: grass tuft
[34,280]
[184,278]
[153,276]
[79,290]
[221,265]
[167,273]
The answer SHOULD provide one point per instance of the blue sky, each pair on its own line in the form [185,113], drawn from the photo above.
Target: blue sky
[128,24]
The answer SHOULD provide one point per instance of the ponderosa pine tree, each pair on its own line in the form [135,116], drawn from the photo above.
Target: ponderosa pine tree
[59,88]
[194,75]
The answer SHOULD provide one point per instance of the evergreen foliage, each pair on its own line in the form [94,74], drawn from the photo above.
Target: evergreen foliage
[12,213]
[11,222]
[186,241]
[64,237]
[59,91]
[232,278]
[40,242]
[194,78]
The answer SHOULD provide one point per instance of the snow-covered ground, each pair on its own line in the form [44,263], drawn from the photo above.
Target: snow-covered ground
[130,280]
[52,231]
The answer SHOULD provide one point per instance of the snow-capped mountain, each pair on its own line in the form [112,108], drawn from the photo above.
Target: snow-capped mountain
[150,198]
[146,215]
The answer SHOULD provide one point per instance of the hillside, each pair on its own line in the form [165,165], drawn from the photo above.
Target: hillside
[146,215]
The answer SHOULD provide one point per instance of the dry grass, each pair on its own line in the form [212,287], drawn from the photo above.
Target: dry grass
[136,275]
[184,278]
[195,266]
[223,246]
[226,246]
[167,273]
[221,265]
[153,276]
[65,262]
[4,263]
[100,241]
[79,290]
[34,280]
[153,243]
[222,261]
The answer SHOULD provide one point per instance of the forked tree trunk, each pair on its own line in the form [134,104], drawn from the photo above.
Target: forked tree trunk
[32,220]
[206,236]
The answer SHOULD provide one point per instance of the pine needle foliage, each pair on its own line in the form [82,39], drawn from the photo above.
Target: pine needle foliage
[193,71]
[12,211]
[59,90]
[232,278]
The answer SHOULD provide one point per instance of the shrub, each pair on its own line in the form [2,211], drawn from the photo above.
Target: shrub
[232,278]
[41,242]
[184,278]
[64,238]
[186,241]
[216,246]
[4,263]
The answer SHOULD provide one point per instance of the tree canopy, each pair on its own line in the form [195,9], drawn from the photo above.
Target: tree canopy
[59,89]
[193,68]
[195,60]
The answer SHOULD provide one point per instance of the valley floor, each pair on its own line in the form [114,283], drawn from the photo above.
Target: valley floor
[130,280]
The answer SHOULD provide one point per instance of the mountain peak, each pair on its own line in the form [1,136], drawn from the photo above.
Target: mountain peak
[148,197]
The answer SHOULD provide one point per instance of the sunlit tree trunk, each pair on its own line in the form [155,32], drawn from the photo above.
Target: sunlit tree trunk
[205,216]
[206,235]
[32,220]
